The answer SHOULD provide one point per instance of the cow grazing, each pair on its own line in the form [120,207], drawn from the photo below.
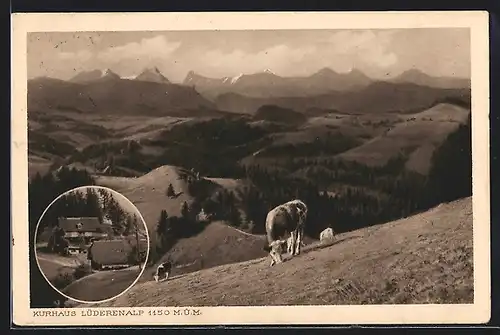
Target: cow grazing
[287,218]
[163,270]
[326,235]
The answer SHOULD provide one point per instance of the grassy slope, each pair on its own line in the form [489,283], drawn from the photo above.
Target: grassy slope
[217,244]
[426,258]
[101,285]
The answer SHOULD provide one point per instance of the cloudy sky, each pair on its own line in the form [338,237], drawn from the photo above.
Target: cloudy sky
[378,53]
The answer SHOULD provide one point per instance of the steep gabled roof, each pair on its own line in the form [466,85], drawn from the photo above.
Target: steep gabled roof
[112,252]
[80,224]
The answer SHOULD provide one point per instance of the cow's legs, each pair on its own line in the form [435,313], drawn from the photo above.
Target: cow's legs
[290,244]
[166,275]
[293,247]
[298,243]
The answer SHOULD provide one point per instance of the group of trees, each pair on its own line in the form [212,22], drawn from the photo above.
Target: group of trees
[169,229]
[89,202]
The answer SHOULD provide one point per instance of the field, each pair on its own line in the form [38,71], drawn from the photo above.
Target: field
[426,258]
[102,285]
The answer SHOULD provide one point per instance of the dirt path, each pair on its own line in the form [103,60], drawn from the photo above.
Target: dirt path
[63,262]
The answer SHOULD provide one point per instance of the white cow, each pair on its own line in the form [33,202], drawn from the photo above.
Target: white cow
[286,218]
[326,235]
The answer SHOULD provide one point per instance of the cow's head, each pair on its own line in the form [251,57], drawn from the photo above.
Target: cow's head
[275,250]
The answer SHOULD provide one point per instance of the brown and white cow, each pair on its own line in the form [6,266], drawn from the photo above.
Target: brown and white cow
[163,271]
[287,218]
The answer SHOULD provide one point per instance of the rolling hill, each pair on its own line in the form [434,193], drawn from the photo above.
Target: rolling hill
[422,259]
[378,97]
[419,135]
[148,193]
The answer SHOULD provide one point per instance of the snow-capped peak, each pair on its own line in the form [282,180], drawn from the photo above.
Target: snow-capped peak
[108,72]
[235,79]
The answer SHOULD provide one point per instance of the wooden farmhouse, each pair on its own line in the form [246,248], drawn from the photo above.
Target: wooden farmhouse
[79,231]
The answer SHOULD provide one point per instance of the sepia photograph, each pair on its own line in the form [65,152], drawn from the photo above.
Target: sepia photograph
[276,167]
[90,245]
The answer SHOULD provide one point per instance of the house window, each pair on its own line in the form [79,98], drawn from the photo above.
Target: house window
[79,226]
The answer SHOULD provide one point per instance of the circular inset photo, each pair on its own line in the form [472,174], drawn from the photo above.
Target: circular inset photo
[92,245]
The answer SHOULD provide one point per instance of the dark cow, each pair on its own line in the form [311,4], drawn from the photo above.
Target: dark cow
[163,271]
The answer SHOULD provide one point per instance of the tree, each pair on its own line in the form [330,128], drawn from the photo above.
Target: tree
[170,190]
[185,210]
[234,217]
[92,205]
[450,177]
[161,226]
[117,216]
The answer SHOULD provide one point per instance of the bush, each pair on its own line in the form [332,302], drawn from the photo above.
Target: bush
[82,271]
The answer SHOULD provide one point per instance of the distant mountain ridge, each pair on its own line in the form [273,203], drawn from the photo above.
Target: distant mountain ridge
[98,91]
[150,92]
[415,76]
[89,76]
[269,85]
[152,75]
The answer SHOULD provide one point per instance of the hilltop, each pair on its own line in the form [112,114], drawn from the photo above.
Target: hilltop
[425,258]
[148,192]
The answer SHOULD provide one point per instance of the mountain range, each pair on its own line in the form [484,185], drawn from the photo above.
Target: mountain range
[267,84]
[105,92]
[151,93]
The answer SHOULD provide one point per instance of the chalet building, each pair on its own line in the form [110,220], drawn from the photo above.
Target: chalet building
[88,227]
[111,254]
[80,230]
